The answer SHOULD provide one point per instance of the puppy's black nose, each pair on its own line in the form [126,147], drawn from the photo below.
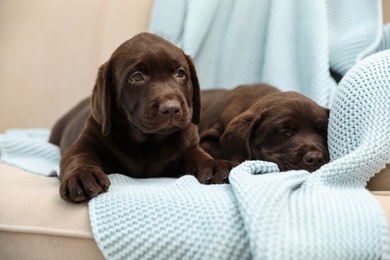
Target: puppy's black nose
[170,108]
[314,159]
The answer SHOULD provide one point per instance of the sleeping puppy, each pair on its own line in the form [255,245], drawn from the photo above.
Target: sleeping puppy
[140,121]
[259,122]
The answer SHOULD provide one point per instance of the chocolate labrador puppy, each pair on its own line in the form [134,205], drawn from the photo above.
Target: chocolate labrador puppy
[140,121]
[259,122]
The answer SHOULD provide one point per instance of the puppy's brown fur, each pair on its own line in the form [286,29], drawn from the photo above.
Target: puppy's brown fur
[140,121]
[259,122]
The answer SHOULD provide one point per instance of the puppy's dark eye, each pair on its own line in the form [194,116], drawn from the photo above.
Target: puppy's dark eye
[180,73]
[137,77]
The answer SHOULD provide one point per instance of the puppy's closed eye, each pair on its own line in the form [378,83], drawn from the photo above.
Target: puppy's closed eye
[285,131]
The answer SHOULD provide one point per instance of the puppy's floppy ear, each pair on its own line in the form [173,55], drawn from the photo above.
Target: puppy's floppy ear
[195,93]
[235,140]
[101,98]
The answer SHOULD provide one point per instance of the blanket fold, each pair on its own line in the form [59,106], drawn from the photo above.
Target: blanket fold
[29,150]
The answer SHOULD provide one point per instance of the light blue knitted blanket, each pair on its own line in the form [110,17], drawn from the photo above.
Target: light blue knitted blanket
[263,214]
[266,214]
[30,150]
[287,43]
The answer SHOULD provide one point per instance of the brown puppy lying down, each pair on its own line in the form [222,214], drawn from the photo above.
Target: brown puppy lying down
[259,122]
[140,121]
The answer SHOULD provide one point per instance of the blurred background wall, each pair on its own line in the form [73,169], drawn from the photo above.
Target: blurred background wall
[50,51]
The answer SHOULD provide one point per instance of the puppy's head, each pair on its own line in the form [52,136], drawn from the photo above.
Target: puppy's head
[150,84]
[286,128]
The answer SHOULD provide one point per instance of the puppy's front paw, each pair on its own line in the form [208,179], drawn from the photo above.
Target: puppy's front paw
[214,171]
[83,184]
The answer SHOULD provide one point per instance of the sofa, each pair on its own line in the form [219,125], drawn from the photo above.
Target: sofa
[34,222]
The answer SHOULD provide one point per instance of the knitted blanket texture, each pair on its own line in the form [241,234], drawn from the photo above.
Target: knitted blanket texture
[30,150]
[266,214]
[286,43]
[262,213]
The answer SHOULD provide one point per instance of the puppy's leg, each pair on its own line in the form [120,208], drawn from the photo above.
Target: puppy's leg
[81,173]
[206,169]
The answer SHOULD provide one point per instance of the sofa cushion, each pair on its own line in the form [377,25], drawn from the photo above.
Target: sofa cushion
[35,223]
